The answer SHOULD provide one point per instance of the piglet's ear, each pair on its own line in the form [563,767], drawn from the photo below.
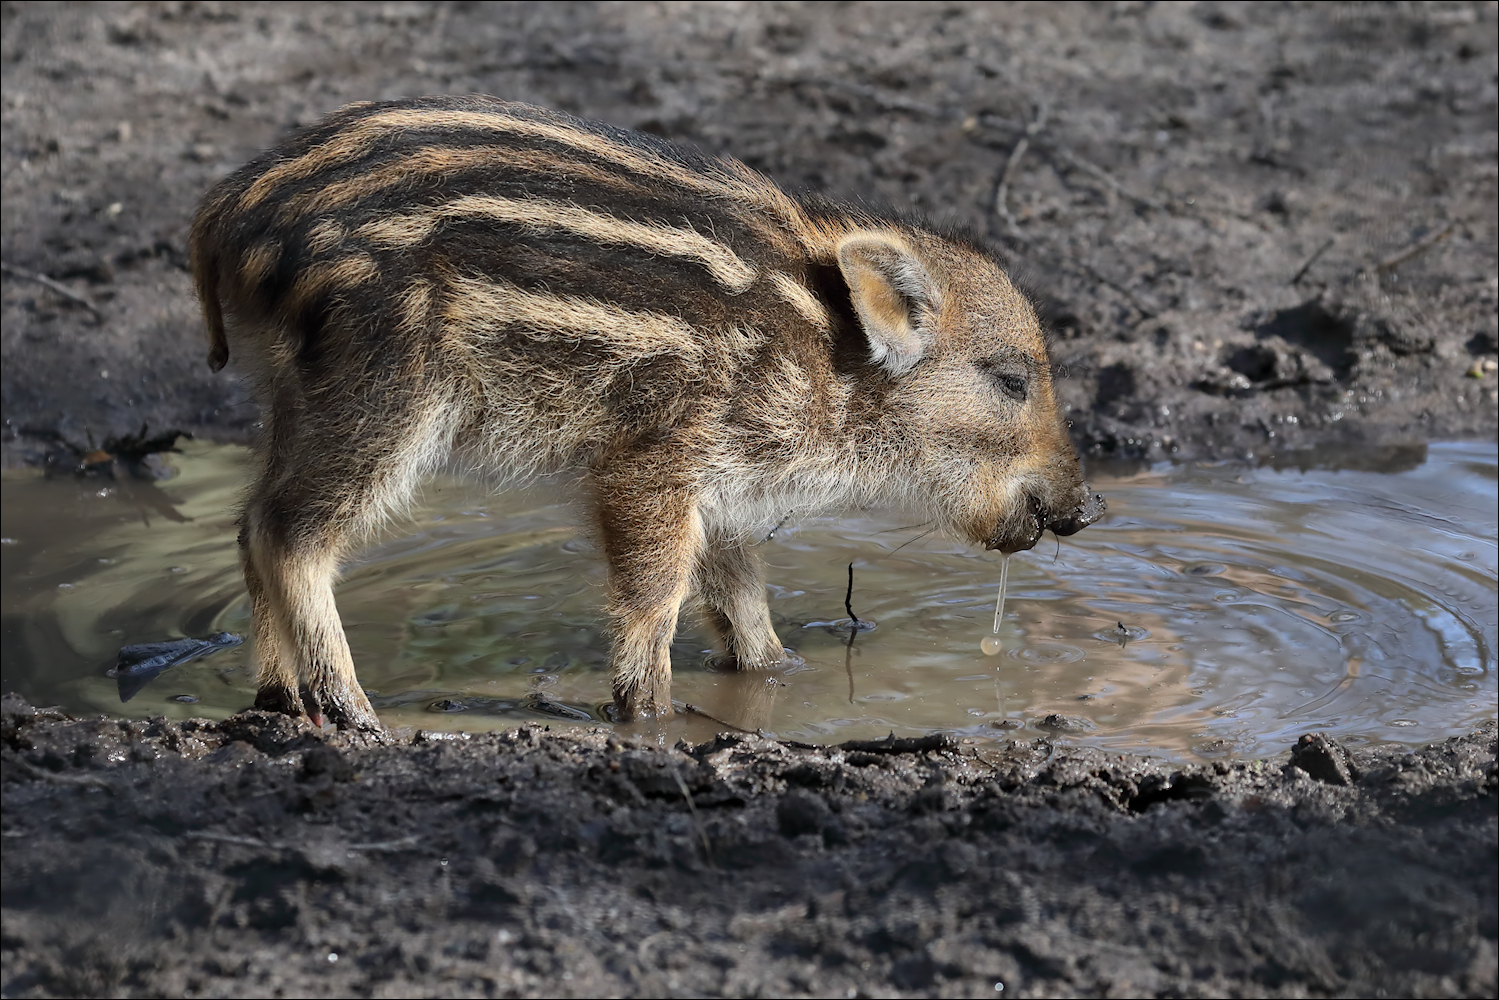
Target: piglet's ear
[894,295]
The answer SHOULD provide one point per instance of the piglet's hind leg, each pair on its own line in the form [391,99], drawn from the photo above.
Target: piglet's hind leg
[275,673]
[652,538]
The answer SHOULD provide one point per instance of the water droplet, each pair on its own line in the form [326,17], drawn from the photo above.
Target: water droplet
[332,956]
[991,645]
[1344,616]
[999,987]
[444,862]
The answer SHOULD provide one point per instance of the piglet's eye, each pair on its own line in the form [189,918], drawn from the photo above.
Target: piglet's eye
[1013,386]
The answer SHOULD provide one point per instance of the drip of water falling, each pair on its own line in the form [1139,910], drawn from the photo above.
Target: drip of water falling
[999,604]
[991,644]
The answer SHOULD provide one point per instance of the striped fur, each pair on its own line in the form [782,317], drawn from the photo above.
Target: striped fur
[421,281]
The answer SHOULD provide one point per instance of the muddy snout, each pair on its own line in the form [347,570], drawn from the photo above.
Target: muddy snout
[1025,528]
[1080,516]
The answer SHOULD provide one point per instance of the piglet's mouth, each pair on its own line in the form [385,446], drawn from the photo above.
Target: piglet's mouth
[1024,530]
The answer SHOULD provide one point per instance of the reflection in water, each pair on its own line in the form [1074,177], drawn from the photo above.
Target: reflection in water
[1215,610]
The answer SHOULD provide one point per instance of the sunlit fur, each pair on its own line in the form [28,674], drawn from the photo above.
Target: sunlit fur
[463,280]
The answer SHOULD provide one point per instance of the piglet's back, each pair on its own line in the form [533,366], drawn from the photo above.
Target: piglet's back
[449,212]
[517,253]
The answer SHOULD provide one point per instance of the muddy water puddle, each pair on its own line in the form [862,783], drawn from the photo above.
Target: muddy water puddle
[1215,611]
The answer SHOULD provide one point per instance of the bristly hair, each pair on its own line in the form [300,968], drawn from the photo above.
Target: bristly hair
[1051,311]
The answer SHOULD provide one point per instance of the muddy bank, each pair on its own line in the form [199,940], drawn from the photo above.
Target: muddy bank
[1264,227]
[254,857]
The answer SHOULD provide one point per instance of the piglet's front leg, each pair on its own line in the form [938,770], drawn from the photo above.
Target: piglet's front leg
[731,585]
[652,536]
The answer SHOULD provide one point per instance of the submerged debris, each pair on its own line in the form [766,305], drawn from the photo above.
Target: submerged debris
[141,664]
[130,455]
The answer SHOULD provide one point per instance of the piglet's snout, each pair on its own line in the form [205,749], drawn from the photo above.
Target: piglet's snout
[1081,515]
[1024,529]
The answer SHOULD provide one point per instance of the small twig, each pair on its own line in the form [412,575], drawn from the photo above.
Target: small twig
[1312,260]
[1147,312]
[230,838]
[848,662]
[1104,279]
[400,844]
[907,744]
[696,819]
[74,780]
[1425,244]
[888,102]
[1002,208]
[692,709]
[56,286]
[1002,189]
[848,600]
[1077,161]
[854,627]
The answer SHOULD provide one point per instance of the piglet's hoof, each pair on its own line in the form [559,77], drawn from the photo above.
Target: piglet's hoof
[635,707]
[279,699]
[348,710]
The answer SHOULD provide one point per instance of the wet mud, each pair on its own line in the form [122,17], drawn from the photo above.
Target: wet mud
[254,857]
[1262,231]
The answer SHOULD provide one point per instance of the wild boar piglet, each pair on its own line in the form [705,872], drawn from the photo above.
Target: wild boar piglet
[461,279]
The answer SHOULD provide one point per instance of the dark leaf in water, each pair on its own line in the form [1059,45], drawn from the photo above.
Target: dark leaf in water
[477,705]
[546,706]
[141,664]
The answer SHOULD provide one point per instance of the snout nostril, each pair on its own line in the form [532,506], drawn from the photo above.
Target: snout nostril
[1079,517]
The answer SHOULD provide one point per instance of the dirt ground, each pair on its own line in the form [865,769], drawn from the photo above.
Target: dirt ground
[252,858]
[1264,227]
[1265,231]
